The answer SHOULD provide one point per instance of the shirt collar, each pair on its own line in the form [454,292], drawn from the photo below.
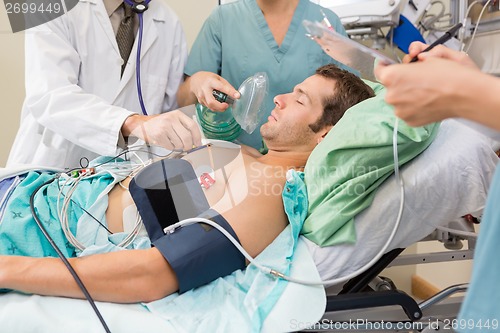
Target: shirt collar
[112,5]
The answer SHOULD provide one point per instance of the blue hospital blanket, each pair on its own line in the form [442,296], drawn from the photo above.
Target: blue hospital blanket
[299,305]
[20,235]
[243,299]
[7,186]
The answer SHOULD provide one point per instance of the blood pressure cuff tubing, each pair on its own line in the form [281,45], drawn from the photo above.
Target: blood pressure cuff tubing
[199,253]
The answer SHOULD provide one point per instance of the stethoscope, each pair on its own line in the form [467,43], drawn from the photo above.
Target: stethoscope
[139,7]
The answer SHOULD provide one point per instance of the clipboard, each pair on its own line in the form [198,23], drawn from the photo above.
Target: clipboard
[345,50]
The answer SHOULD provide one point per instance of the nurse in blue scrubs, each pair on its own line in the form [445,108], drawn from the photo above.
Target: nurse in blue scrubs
[242,38]
[431,90]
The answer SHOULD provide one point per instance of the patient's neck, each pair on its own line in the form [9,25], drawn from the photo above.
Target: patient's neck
[286,159]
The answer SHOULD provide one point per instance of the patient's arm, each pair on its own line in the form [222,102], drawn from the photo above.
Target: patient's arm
[123,276]
[144,275]
[250,202]
[138,275]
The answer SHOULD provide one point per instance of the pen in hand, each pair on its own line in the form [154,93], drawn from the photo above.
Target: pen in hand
[441,40]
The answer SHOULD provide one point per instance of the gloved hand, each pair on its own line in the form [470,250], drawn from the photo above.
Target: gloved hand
[171,130]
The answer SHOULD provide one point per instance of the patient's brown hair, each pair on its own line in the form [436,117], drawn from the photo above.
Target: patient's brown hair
[349,90]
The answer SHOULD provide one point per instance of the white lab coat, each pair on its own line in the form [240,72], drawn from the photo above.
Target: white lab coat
[75,100]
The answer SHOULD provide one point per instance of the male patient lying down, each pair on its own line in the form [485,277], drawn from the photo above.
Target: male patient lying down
[241,196]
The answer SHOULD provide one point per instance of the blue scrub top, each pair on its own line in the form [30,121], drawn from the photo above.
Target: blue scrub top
[235,42]
[480,311]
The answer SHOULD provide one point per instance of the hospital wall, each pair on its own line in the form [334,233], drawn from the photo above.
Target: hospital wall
[11,83]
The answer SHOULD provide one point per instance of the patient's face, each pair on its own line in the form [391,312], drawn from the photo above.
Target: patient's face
[288,124]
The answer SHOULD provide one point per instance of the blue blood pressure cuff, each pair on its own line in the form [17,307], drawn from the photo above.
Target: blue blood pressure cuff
[168,191]
[199,253]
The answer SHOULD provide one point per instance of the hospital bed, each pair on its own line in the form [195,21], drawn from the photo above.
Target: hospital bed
[445,182]
[448,180]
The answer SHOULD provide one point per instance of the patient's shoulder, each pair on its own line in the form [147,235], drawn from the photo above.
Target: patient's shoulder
[250,151]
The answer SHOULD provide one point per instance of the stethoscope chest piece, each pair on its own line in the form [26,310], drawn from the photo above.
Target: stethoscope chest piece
[139,7]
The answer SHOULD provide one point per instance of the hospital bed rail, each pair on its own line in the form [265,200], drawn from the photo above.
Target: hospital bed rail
[369,300]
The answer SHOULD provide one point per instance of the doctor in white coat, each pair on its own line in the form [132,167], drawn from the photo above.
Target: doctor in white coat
[78,105]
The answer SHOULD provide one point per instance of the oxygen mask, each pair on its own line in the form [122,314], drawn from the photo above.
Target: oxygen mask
[243,113]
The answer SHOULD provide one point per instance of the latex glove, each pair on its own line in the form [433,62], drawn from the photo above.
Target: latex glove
[171,130]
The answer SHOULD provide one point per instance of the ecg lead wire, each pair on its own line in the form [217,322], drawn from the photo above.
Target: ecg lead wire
[62,257]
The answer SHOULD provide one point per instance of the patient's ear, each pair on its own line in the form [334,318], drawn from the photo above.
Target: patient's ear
[323,133]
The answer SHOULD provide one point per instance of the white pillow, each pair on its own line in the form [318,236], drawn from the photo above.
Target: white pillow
[448,180]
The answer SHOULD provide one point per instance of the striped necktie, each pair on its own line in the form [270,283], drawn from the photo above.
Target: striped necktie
[125,35]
